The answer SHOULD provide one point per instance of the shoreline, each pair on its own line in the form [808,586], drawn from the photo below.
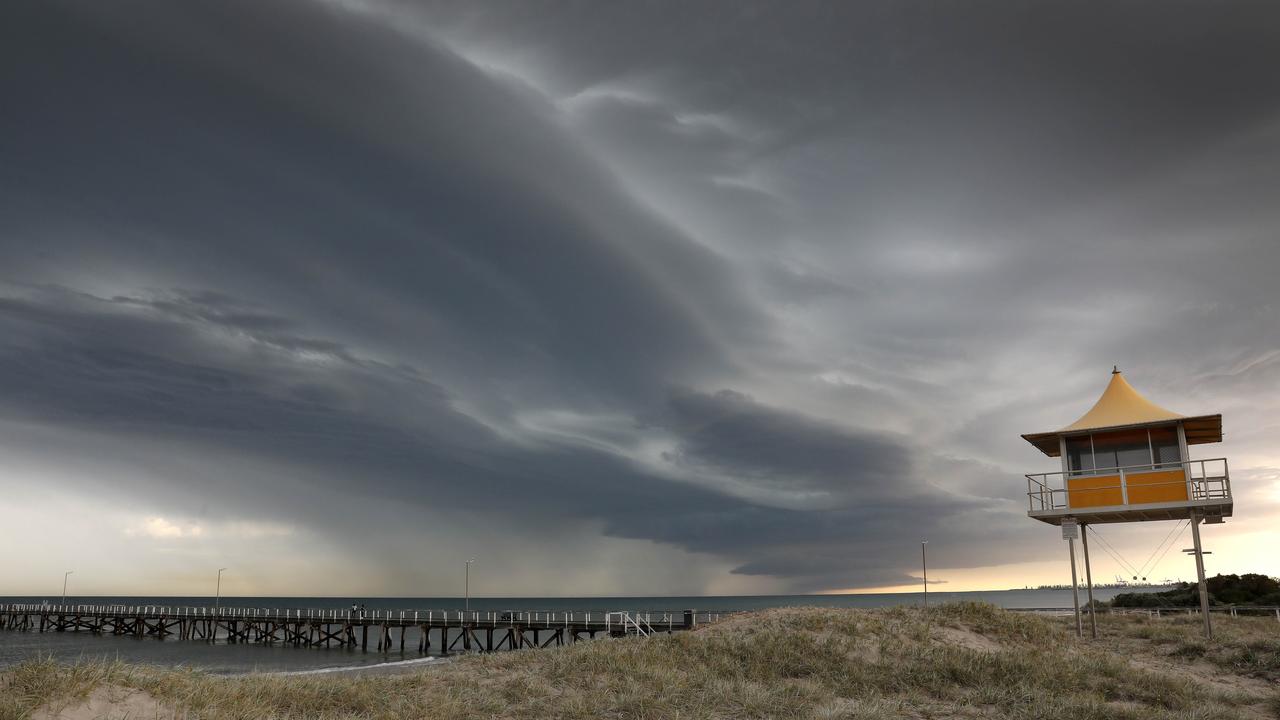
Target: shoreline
[395,667]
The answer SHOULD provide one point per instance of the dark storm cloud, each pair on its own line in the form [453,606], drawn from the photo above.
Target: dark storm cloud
[730,434]
[168,368]
[1020,84]
[456,216]
[777,285]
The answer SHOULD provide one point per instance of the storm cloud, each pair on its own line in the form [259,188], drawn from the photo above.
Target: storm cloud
[716,297]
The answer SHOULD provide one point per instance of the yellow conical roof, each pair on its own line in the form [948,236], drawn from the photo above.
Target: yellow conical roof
[1120,405]
[1123,407]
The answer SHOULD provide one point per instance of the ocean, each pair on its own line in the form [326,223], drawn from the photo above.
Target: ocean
[222,658]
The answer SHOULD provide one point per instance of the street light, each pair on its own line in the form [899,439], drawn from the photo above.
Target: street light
[924,564]
[467,585]
[65,575]
[217,600]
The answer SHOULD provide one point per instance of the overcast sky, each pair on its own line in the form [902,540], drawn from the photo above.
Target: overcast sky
[619,298]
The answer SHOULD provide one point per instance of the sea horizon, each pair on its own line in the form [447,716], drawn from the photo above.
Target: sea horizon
[35,597]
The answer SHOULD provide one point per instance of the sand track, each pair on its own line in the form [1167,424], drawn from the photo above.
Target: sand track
[107,702]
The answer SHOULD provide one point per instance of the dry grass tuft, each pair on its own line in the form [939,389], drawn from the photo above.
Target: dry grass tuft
[961,660]
[1247,646]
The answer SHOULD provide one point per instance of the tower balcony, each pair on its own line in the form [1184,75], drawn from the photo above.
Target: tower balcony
[1159,491]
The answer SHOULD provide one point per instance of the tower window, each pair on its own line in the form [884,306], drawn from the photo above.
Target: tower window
[1121,449]
[1165,449]
[1104,452]
[1080,454]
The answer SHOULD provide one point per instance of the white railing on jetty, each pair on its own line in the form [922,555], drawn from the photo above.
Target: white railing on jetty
[633,625]
[646,622]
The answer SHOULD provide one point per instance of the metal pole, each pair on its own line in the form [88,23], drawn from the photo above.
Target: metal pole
[1075,590]
[65,575]
[217,600]
[467,585]
[1088,580]
[924,564]
[1204,589]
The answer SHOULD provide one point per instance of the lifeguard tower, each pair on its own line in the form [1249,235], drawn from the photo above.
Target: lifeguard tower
[1126,460]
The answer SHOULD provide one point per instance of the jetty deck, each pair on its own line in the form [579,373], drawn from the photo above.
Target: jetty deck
[391,630]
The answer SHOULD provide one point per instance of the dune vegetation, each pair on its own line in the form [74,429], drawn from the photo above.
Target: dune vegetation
[1250,589]
[961,660]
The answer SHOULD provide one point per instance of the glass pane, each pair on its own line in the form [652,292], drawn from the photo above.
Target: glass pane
[1079,454]
[1121,449]
[1164,444]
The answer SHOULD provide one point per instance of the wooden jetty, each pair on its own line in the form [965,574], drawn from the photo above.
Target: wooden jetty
[455,630]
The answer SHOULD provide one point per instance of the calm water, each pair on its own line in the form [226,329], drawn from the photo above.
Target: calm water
[221,658]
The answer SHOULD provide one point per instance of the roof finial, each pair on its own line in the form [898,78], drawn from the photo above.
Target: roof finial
[1115,369]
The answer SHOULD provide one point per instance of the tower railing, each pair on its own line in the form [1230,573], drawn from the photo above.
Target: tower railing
[1204,480]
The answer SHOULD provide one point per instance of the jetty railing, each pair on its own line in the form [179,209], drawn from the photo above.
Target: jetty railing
[656,619]
[470,629]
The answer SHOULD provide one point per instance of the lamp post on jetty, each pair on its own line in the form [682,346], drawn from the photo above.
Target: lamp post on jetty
[65,575]
[217,599]
[467,586]
[924,564]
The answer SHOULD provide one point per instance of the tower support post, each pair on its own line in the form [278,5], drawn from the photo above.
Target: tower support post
[1088,581]
[1204,588]
[1075,587]
[924,565]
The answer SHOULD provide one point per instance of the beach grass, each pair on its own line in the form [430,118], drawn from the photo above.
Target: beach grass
[959,660]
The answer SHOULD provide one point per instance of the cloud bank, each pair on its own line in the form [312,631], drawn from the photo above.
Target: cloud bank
[713,298]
